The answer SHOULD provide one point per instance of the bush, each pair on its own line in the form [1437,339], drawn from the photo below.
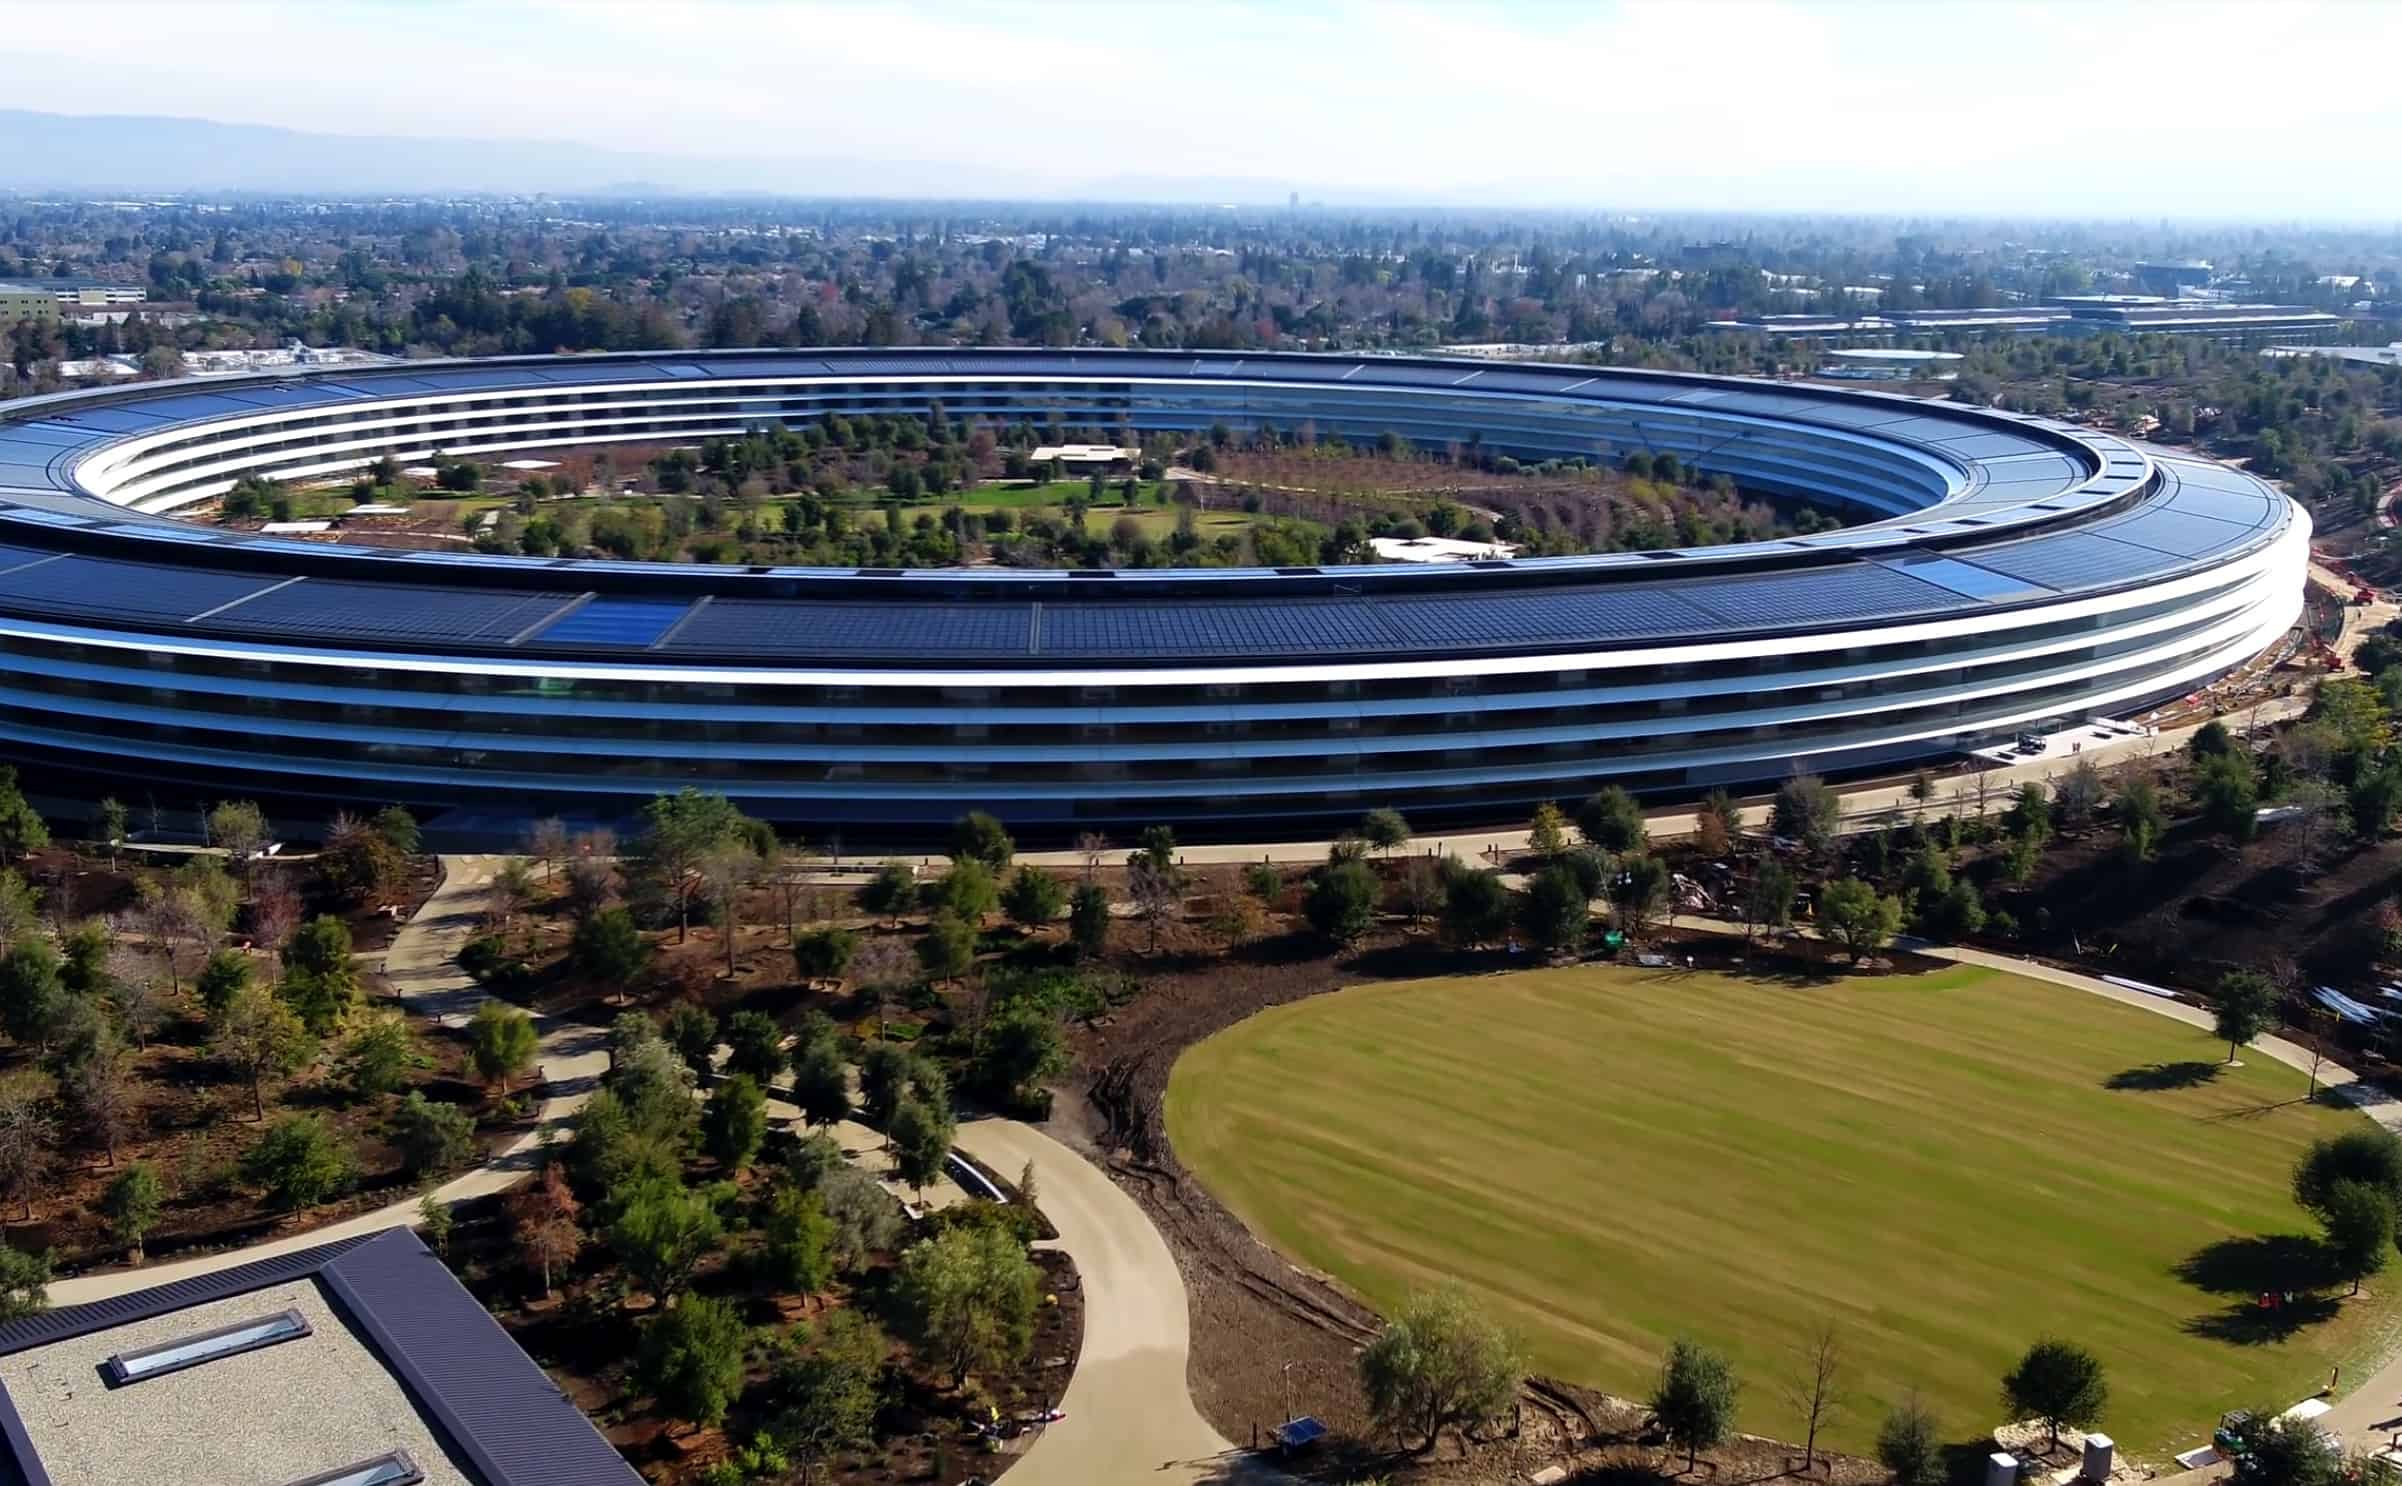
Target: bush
[300,1162]
[1341,902]
[825,954]
[430,1136]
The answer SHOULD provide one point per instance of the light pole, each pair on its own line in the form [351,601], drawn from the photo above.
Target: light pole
[1288,1392]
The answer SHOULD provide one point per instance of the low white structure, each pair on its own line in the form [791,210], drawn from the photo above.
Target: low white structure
[1437,549]
[1085,454]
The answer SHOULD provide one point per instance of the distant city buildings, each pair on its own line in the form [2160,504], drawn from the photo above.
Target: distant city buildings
[2067,314]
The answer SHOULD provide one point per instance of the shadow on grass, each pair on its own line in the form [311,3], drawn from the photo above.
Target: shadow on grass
[2291,1268]
[2154,1078]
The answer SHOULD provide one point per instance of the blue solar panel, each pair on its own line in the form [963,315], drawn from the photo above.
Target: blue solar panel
[1965,579]
[631,623]
[1167,632]
[331,608]
[1562,617]
[100,588]
[2074,560]
[1783,600]
[2174,531]
[802,628]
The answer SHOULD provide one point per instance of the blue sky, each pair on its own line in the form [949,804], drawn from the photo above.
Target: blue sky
[2272,110]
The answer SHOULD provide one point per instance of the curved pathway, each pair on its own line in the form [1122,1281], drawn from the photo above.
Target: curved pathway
[1130,1414]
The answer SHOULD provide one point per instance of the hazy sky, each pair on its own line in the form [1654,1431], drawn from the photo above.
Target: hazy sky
[2267,110]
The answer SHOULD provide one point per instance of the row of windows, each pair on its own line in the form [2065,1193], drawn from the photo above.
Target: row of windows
[1494,757]
[1685,709]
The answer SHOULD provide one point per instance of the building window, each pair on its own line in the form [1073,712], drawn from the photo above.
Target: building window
[225,1341]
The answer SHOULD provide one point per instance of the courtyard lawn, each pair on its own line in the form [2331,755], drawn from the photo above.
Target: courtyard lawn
[1942,1166]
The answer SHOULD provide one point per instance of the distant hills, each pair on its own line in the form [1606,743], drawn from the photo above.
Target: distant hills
[136,154]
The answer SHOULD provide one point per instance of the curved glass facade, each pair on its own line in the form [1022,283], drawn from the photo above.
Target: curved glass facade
[2008,572]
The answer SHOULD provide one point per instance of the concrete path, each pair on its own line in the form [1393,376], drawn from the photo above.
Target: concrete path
[1130,1414]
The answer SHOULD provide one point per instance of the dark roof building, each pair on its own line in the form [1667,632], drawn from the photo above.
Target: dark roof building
[356,1363]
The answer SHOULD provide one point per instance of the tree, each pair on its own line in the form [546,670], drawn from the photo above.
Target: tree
[1807,810]
[239,827]
[866,1218]
[661,1234]
[1816,1390]
[378,1056]
[920,1131]
[968,1296]
[22,829]
[111,822]
[1476,904]
[98,1089]
[132,1205]
[32,997]
[300,1162]
[725,870]
[2210,740]
[1088,920]
[275,909]
[827,1393]
[431,1137]
[1442,1363]
[947,950]
[1019,1050]
[2057,1383]
[2243,1007]
[321,1001]
[1611,820]
[259,1037]
[358,862]
[821,1082]
[19,907]
[755,1046]
[1548,833]
[398,828]
[1695,1399]
[1341,902]
[2228,793]
[24,1284]
[2079,794]
[891,892]
[1641,890]
[2275,1450]
[501,1043]
[2366,1154]
[2359,1221]
[1034,898]
[734,1122]
[690,1359]
[2030,815]
[1910,1444]
[691,1030]
[1156,885]
[1767,901]
[1716,824]
[1384,829]
[544,1215]
[679,830]
[824,954]
[2140,817]
[320,947]
[1858,917]
[978,837]
[28,1140]
[796,1252]
[607,949]
[1555,911]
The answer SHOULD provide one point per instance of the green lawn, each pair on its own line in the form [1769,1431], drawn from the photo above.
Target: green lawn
[1937,1165]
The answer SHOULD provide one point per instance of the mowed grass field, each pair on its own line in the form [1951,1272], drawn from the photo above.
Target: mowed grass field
[1937,1165]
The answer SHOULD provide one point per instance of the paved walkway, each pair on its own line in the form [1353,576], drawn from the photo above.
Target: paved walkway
[1130,1414]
